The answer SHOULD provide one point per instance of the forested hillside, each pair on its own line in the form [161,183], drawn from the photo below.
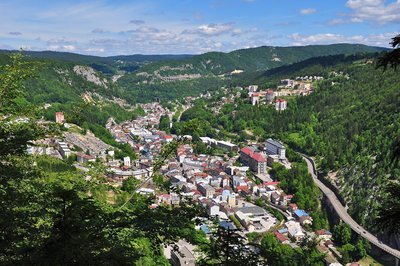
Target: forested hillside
[164,77]
[350,124]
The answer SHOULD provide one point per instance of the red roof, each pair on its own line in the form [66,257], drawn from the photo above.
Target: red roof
[254,155]
[258,157]
[274,183]
[322,232]
[280,100]
[247,151]
[168,137]
[241,188]
[280,237]
[201,174]
[196,192]
[86,156]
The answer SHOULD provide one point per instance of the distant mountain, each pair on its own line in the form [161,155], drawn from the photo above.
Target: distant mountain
[108,65]
[142,78]
[243,60]
[89,59]
[313,66]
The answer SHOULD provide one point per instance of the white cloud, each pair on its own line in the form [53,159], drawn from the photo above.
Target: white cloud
[374,11]
[62,44]
[307,11]
[330,38]
[211,29]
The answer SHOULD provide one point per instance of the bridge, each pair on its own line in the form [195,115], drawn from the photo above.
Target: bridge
[344,216]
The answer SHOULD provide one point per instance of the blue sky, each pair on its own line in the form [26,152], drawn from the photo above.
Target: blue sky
[111,27]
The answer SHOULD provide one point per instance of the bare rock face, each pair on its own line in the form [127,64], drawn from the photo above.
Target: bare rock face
[90,75]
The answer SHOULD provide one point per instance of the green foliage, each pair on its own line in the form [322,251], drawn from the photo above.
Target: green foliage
[392,58]
[51,164]
[227,247]
[346,251]
[130,185]
[342,233]
[389,212]
[164,123]
[281,254]
[298,181]
[235,221]
[51,215]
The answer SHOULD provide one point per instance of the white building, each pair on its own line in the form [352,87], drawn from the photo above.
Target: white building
[141,132]
[255,98]
[219,143]
[212,209]
[127,161]
[63,149]
[275,147]
[253,88]
[280,105]
[294,230]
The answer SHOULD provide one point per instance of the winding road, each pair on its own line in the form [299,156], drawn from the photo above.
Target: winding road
[344,216]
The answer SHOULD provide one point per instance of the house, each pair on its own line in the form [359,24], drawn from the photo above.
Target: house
[175,199]
[269,96]
[232,200]
[206,190]
[252,88]
[127,161]
[275,197]
[305,220]
[182,257]
[164,199]
[212,209]
[323,234]
[168,138]
[63,149]
[283,199]
[280,104]
[299,213]
[60,118]
[255,98]
[295,231]
[281,238]
[302,217]
[84,158]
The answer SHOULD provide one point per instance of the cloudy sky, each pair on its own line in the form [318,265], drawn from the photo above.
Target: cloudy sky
[112,27]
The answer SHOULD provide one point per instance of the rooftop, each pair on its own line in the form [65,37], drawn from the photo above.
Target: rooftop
[300,213]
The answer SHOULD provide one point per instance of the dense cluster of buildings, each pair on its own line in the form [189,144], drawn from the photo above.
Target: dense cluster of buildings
[223,188]
[301,86]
